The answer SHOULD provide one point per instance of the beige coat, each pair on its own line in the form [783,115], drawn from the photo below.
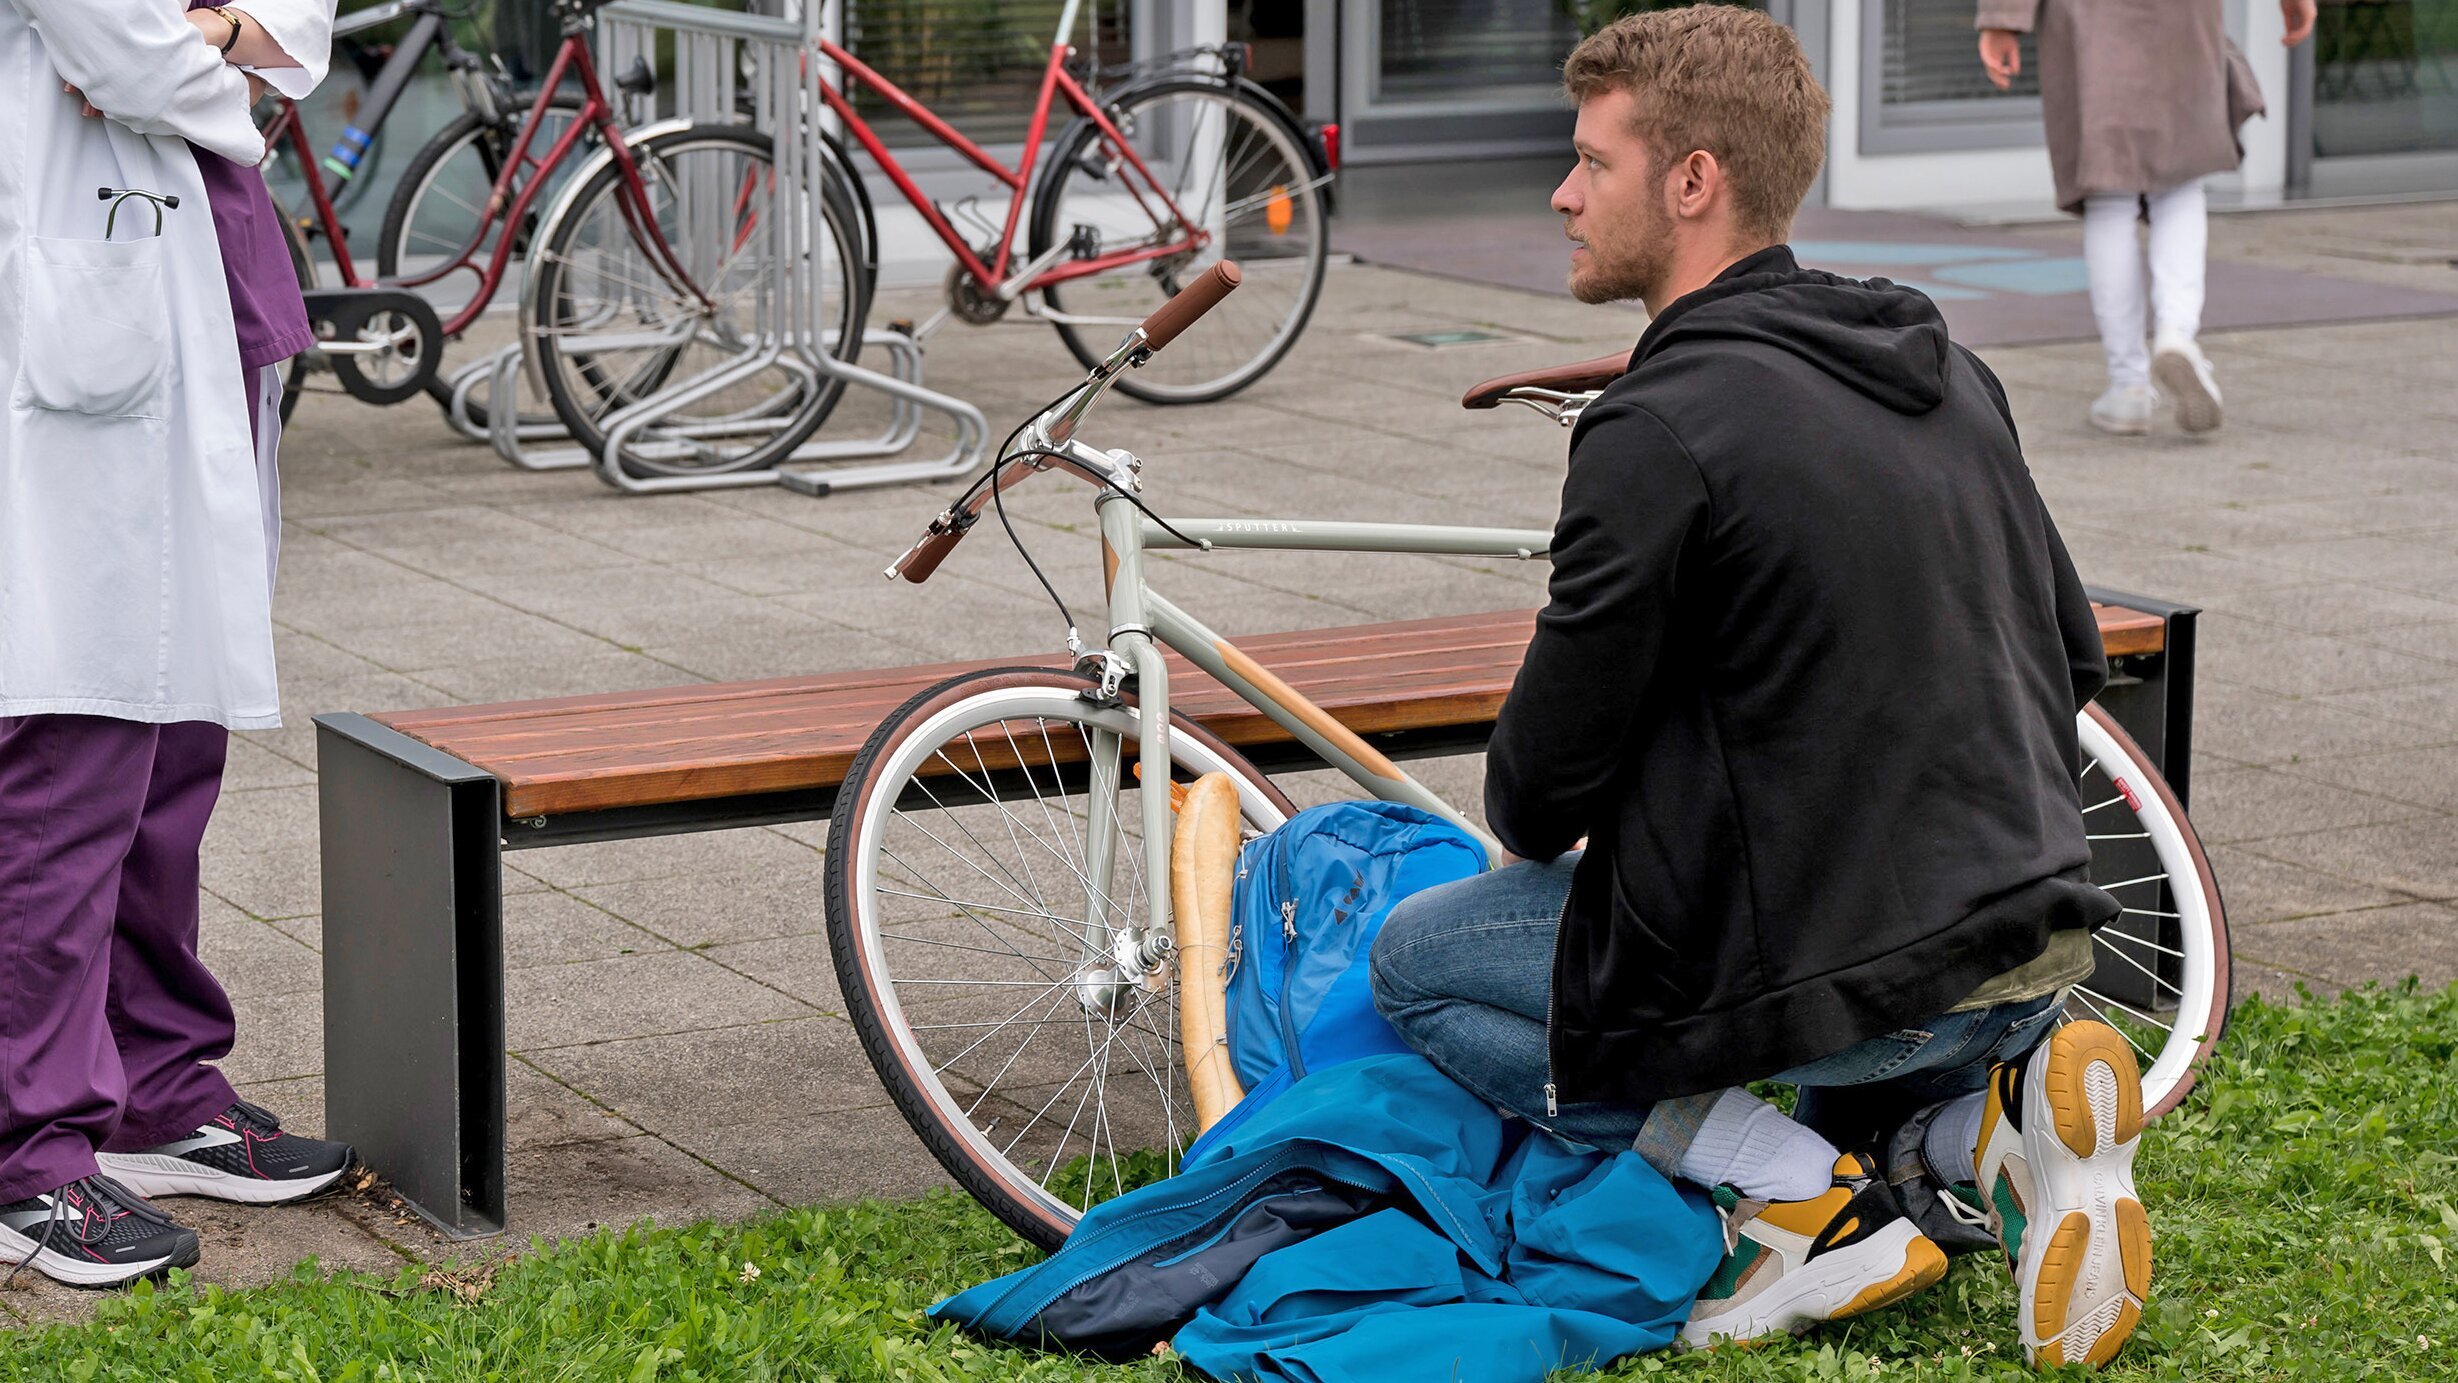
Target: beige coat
[2137,95]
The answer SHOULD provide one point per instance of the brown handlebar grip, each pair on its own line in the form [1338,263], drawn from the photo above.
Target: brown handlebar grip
[928,554]
[1194,300]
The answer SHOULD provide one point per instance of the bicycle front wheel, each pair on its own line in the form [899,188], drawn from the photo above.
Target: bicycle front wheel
[608,325]
[987,913]
[2163,977]
[1194,156]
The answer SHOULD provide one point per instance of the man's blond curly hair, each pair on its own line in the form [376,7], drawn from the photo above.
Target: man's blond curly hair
[1724,79]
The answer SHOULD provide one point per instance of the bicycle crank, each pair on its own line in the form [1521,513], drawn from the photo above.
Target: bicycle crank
[384,344]
[975,305]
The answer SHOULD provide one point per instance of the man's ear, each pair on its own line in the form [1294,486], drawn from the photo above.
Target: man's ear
[1697,183]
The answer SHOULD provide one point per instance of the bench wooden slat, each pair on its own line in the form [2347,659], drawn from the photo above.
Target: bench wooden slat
[690,743]
[512,744]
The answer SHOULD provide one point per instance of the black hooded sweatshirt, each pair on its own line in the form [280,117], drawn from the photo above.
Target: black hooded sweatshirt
[1806,681]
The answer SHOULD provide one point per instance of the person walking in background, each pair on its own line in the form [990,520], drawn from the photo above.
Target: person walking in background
[140,337]
[2142,102]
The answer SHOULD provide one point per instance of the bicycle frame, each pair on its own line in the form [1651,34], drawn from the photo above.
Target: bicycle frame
[509,200]
[1142,622]
[1056,81]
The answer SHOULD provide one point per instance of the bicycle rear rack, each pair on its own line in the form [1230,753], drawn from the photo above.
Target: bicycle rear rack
[717,58]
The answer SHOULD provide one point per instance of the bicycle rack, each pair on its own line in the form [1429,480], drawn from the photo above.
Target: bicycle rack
[709,74]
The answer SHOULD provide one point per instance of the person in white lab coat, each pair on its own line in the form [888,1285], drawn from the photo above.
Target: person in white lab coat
[142,315]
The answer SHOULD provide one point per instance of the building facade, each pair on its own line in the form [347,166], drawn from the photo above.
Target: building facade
[2370,105]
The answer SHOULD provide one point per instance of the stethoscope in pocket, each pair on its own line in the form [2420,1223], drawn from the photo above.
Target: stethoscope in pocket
[118,196]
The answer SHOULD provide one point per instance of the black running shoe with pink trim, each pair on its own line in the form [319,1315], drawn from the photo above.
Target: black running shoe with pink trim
[242,1155]
[92,1233]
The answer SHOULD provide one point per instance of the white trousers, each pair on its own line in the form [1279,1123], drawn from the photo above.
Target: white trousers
[2180,237]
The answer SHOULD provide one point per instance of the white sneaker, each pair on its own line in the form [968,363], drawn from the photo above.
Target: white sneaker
[2056,1164]
[1792,1264]
[2184,374]
[2125,409]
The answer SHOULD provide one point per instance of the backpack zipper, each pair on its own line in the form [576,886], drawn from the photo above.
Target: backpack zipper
[1288,1015]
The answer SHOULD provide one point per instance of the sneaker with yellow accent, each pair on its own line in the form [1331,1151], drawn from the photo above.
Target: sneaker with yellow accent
[2056,1161]
[1790,1264]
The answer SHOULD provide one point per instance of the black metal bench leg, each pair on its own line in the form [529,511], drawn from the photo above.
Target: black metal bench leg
[413,969]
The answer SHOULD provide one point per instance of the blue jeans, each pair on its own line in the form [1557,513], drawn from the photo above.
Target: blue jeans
[1464,971]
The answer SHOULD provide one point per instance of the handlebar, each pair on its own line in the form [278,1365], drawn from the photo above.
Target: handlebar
[1049,432]
[918,564]
[1192,301]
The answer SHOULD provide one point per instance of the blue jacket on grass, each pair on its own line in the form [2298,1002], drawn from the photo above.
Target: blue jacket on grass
[1376,1223]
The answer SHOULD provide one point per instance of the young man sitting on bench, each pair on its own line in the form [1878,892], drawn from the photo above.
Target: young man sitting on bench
[1802,863]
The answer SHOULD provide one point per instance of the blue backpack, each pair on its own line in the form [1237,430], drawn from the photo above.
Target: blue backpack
[1311,896]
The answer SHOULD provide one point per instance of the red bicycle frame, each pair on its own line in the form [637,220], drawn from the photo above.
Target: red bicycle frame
[508,202]
[1055,81]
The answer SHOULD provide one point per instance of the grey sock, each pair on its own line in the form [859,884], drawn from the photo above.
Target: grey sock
[1953,1129]
[1749,1145]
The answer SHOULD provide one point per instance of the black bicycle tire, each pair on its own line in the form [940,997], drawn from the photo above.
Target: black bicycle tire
[840,209]
[1045,212]
[303,266]
[398,211]
[845,944]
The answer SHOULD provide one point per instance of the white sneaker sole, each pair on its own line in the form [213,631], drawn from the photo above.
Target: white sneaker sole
[153,1176]
[2085,1269]
[1879,1271]
[2197,406]
[16,1248]
[2122,427]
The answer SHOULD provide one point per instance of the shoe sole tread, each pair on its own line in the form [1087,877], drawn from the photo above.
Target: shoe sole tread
[2087,1101]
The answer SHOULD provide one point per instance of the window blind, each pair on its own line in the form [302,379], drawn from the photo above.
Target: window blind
[1932,53]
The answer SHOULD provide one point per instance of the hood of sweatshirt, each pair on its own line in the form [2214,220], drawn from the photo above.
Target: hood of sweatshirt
[1879,337]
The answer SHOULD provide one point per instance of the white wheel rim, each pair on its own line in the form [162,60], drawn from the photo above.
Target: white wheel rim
[2193,991]
[914,750]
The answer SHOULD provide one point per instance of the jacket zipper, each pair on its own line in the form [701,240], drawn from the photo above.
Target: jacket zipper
[1553,992]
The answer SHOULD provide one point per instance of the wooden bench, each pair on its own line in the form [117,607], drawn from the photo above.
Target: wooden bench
[417,808]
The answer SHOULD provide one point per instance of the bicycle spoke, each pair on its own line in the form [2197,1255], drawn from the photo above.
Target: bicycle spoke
[2108,934]
[2145,879]
[2154,975]
[2085,996]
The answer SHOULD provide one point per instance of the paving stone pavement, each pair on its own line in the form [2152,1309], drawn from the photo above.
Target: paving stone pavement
[679,1045]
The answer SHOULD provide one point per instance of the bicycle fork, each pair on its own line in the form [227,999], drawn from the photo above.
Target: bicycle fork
[1119,960]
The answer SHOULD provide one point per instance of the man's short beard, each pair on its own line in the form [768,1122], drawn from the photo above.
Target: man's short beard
[1635,278]
[1627,283]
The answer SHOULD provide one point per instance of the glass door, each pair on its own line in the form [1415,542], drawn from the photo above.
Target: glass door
[2379,86]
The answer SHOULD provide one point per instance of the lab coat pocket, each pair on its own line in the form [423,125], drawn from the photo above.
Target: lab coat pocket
[97,333]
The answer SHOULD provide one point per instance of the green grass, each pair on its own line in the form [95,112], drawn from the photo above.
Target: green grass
[2305,1203]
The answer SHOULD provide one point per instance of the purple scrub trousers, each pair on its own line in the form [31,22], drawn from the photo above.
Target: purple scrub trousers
[107,1017]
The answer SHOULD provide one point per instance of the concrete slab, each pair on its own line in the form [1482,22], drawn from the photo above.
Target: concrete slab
[2418,858]
[2389,943]
[630,996]
[2252,804]
[2258,889]
[720,906]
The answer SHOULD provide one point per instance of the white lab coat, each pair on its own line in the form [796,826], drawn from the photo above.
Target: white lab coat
[132,522]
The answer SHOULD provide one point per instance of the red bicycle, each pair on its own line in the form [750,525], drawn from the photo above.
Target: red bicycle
[1152,184]
[647,237]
